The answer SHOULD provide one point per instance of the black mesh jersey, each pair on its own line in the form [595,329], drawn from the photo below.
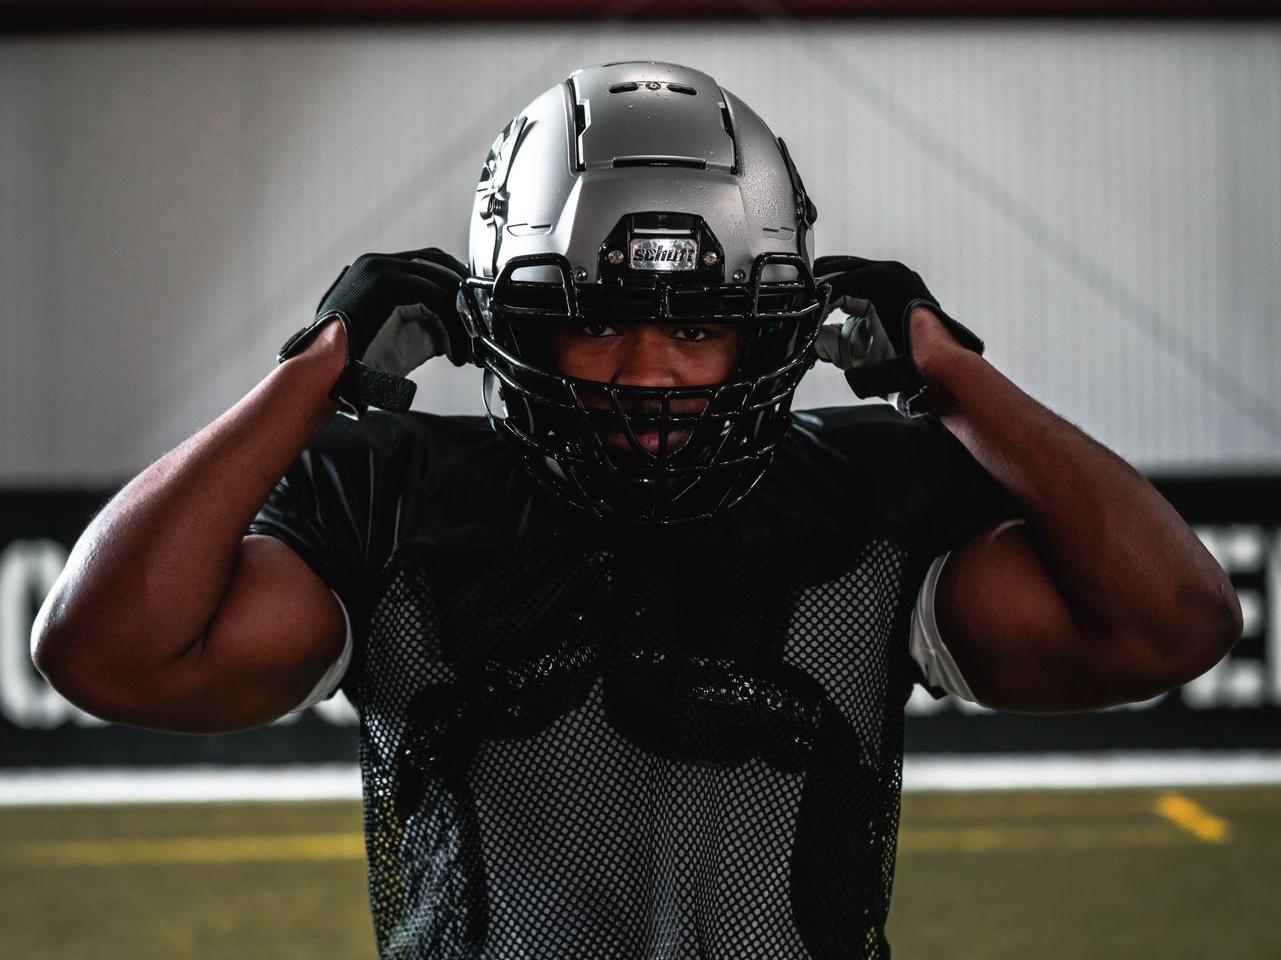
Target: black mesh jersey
[585,742]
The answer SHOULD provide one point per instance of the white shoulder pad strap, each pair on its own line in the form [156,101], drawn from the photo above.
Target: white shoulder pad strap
[333,676]
[927,646]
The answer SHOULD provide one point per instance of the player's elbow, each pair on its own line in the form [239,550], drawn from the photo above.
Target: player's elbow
[68,668]
[1180,656]
[66,652]
[1186,645]
[53,646]
[1201,642]
[1202,652]
[89,670]
[1232,618]
[63,661]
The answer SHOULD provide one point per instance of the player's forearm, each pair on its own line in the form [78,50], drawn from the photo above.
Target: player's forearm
[1118,551]
[148,573]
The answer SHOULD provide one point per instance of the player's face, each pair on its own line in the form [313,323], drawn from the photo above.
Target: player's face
[648,355]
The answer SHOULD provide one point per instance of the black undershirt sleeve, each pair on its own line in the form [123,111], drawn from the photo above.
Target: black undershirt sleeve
[323,510]
[964,500]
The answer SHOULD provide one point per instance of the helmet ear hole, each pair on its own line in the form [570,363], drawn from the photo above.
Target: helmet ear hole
[780,273]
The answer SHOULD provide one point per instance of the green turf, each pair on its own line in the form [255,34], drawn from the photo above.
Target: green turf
[1047,875]
[1123,882]
[183,911]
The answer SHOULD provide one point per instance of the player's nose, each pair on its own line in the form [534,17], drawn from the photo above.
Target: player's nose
[646,359]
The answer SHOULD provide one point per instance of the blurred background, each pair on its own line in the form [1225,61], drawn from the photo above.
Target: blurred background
[1097,196]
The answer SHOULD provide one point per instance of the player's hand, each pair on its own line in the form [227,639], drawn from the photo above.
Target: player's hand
[872,344]
[856,341]
[398,310]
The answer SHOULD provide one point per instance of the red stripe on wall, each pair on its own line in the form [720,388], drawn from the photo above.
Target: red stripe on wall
[76,15]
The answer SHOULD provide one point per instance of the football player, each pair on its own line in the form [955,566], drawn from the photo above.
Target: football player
[630,653]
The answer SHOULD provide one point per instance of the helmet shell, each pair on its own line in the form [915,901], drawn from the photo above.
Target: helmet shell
[619,138]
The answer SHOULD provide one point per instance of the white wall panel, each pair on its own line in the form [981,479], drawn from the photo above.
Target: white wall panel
[1101,202]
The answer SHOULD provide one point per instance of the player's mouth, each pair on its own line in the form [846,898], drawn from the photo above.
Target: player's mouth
[646,436]
[649,440]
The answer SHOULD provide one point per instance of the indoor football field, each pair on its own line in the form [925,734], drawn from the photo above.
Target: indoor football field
[983,876]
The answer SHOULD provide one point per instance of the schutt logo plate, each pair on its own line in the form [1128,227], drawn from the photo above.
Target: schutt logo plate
[664,254]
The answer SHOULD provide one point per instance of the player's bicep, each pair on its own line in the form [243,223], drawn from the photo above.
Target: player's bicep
[1016,639]
[276,632]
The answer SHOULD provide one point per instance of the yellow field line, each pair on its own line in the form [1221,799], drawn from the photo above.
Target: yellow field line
[147,850]
[350,846]
[1186,813]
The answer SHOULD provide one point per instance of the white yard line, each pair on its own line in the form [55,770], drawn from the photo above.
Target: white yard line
[1069,771]
[920,773]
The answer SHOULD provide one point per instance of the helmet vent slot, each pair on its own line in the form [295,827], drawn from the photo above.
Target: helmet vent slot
[623,88]
[694,163]
[727,121]
[679,88]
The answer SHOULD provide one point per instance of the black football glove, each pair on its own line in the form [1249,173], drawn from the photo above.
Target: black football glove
[399,310]
[873,344]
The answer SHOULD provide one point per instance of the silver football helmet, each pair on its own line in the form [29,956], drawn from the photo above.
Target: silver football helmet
[641,192]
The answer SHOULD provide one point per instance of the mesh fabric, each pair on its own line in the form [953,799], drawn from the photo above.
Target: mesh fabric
[658,747]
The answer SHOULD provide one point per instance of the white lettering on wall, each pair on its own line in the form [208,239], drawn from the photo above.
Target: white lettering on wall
[1272,590]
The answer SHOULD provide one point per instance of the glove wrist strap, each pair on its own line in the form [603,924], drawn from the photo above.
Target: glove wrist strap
[882,379]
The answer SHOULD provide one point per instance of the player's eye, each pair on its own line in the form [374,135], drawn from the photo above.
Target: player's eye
[692,334]
[597,330]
